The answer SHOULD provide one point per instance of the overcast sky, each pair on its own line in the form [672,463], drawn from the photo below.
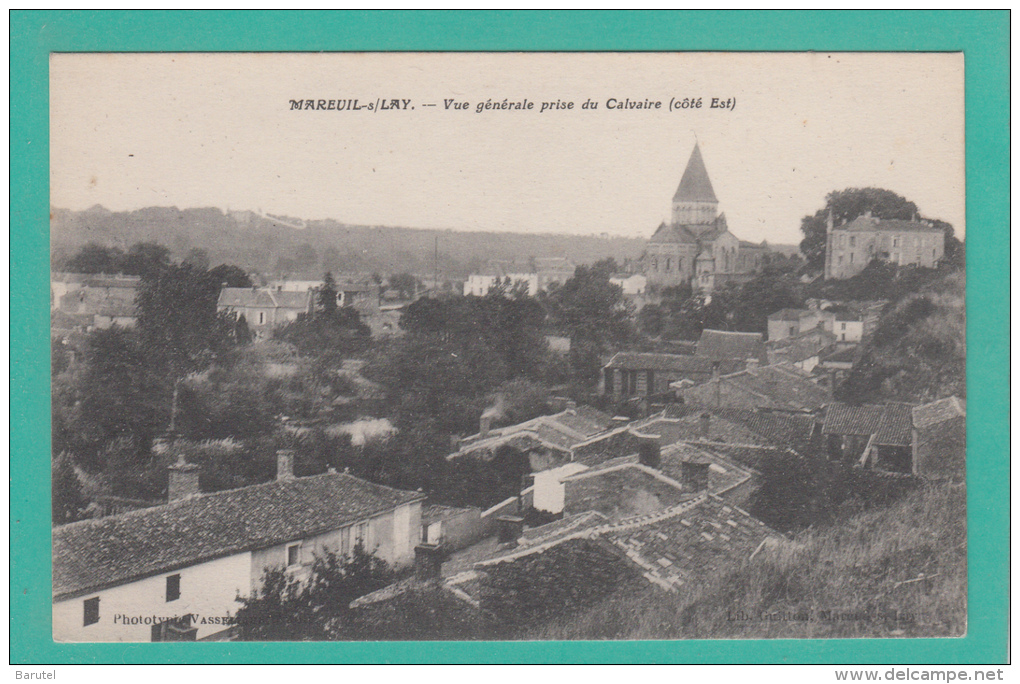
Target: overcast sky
[196,130]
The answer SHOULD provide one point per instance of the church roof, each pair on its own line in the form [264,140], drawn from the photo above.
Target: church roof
[695,185]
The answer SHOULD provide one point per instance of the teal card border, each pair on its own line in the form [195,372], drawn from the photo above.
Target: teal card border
[983,37]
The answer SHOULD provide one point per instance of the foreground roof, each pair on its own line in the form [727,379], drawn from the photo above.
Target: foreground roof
[771,387]
[93,554]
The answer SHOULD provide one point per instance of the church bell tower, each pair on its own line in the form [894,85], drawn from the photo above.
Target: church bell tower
[694,203]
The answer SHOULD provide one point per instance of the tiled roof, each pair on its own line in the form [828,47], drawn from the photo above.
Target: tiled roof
[777,388]
[678,363]
[688,428]
[621,491]
[895,427]
[789,314]
[845,419]
[938,412]
[107,551]
[723,474]
[695,185]
[779,429]
[870,223]
[846,355]
[703,542]
[263,297]
[673,233]
[747,456]
[721,344]
[699,538]
[561,430]
[435,513]
[568,524]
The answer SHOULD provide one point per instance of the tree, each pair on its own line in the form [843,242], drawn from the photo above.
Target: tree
[226,275]
[405,284]
[326,299]
[846,205]
[69,502]
[145,259]
[284,608]
[592,311]
[178,325]
[197,258]
[93,258]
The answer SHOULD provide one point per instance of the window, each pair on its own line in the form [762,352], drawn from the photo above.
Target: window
[842,326]
[839,259]
[361,535]
[345,541]
[852,240]
[895,242]
[667,263]
[173,588]
[933,254]
[293,555]
[851,256]
[262,317]
[91,611]
[655,264]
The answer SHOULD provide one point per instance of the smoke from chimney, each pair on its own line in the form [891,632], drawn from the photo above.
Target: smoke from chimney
[494,412]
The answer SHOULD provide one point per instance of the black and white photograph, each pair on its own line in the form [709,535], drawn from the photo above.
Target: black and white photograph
[507,346]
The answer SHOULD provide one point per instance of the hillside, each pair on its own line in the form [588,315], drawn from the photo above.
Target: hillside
[918,350]
[306,249]
[898,571]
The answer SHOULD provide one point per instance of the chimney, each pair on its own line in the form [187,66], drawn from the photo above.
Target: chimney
[182,482]
[694,476]
[509,528]
[285,464]
[428,562]
[649,453]
[484,423]
[705,422]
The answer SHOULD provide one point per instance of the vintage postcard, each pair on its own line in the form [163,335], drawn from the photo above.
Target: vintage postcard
[508,346]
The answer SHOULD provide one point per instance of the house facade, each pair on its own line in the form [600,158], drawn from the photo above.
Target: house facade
[696,246]
[850,247]
[264,308]
[174,572]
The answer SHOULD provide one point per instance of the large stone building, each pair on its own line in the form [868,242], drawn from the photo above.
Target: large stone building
[850,247]
[697,246]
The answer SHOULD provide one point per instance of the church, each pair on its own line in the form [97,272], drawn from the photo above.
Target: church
[696,247]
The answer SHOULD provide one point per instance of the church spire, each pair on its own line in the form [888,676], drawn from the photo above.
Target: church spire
[695,185]
[694,202]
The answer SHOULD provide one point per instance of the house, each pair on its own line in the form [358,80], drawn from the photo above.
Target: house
[848,326]
[173,572]
[803,351]
[629,374]
[850,247]
[264,308]
[632,284]
[723,345]
[550,441]
[688,537]
[696,246]
[939,439]
[731,426]
[792,322]
[95,301]
[848,429]
[553,271]
[776,388]
[451,527]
